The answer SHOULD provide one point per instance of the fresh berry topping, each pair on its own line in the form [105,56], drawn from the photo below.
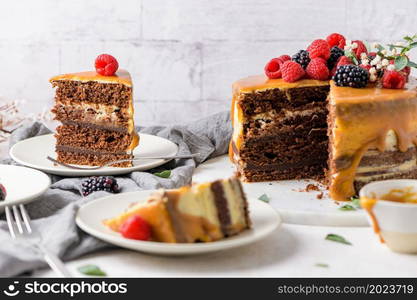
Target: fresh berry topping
[366,67]
[2,192]
[106,65]
[342,61]
[319,48]
[284,57]
[102,183]
[336,39]
[361,48]
[136,228]
[292,71]
[351,75]
[302,57]
[273,68]
[335,54]
[393,80]
[317,69]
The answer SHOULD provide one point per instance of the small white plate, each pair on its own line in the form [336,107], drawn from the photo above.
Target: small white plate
[265,220]
[32,152]
[22,184]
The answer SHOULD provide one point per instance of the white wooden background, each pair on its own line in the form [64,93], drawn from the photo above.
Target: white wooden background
[183,54]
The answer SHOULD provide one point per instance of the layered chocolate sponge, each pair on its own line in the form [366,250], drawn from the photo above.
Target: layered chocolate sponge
[199,213]
[96,113]
[280,128]
[313,129]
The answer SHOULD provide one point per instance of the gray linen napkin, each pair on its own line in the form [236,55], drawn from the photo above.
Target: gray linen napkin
[53,214]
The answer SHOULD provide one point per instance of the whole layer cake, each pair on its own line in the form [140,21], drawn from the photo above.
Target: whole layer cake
[199,213]
[287,130]
[96,113]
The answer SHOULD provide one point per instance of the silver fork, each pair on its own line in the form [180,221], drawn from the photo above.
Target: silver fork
[16,221]
[121,160]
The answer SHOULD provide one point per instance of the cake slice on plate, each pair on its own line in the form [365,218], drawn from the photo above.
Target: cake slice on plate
[199,213]
[97,116]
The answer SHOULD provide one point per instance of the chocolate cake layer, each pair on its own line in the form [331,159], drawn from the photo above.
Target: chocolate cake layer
[93,139]
[91,158]
[276,99]
[93,92]
[99,114]
[222,207]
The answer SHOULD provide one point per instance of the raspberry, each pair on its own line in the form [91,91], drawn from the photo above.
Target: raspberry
[291,71]
[360,49]
[106,65]
[136,228]
[319,48]
[273,68]
[393,80]
[2,192]
[317,69]
[405,72]
[336,39]
[367,67]
[284,57]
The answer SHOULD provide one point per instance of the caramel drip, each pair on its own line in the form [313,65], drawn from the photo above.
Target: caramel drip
[121,77]
[405,195]
[363,118]
[368,204]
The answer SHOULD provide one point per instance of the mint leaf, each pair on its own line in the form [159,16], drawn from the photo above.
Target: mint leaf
[322,265]
[401,62]
[91,270]
[337,238]
[347,207]
[264,198]
[356,202]
[163,174]
[412,64]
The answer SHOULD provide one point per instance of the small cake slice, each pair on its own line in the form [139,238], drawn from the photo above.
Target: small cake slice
[96,112]
[199,213]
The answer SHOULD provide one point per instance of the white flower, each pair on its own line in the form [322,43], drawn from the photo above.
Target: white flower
[365,61]
[373,78]
[346,48]
[385,62]
[364,55]
[399,44]
[393,52]
[374,45]
[384,52]
[372,71]
[379,66]
[354,45]
[391,68]
[348,42]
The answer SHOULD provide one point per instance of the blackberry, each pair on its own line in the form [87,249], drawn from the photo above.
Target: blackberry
[302,57]
[102,183]
[351,75]
[335,54]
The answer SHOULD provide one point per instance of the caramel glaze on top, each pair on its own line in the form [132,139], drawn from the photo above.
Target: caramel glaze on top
[362,119]
[252,84]
[121,77]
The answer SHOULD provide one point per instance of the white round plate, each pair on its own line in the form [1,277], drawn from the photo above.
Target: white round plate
[14,178]
[265,220]
[295,205]
[44,145]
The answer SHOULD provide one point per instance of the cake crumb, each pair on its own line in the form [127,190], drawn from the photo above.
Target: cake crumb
[320,196]
[312,187]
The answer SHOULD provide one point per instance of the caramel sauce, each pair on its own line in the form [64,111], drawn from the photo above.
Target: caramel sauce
[121,76]
[363,118]
[405,195]
[367,204]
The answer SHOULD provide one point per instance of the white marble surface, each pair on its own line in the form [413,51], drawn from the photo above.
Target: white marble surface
[293,250]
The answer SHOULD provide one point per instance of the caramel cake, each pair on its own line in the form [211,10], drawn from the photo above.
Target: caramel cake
[199,213]
[96,113]
[280,128]
[358,127]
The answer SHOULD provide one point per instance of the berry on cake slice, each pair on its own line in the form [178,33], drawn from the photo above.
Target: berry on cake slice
[3,193]
[102,183]
[335,54]
[106,65]
[393,80]
[273,68]
[292,71]
[284,57]
[136,228]
[336,39]
[319,48]
[302,57]
[359,48]
[342,61]
[351,76]
[317,69]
